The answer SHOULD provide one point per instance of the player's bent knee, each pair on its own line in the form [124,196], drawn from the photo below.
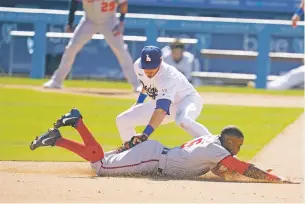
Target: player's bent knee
[122,119]
[96,153]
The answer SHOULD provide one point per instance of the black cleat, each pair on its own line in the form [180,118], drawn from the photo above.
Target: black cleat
[47,139]
[69,119]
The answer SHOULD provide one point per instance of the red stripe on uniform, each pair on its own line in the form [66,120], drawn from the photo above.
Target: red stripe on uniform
[130,165]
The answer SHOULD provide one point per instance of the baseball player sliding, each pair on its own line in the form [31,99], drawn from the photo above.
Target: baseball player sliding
[173,99]
[191,159]
[100,17]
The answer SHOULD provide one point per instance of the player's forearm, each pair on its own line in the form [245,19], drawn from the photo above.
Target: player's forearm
[72,9]
[302,4]
[162,109]
[123,10]
[157,118]
[232,164]
[256,173]
[300,10]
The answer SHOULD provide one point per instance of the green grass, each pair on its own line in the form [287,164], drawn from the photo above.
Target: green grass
[27,113]
[123,85]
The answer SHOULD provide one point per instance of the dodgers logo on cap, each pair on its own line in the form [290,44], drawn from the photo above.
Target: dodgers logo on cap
[150,57]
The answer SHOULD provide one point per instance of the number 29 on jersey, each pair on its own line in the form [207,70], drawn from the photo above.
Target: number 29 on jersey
[108,6]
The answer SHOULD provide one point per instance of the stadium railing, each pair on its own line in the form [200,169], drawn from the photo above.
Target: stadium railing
[264,29]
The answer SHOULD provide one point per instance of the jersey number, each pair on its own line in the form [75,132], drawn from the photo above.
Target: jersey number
[191,143]
[108,6]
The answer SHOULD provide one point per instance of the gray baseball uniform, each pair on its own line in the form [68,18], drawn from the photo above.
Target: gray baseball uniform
[194,158]
[100,17]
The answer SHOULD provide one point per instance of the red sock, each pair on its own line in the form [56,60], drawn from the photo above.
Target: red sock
[85,133]
[92,153]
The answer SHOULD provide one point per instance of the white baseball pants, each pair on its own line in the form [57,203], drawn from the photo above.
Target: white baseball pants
[291,79]
[184,113]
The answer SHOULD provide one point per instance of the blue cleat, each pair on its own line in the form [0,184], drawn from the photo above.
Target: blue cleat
[47,139]
[69,119]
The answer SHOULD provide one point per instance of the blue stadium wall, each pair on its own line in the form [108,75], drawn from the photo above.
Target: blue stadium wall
[16,52]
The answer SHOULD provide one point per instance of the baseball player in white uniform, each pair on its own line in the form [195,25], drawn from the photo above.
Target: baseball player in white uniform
[191,159]
[294,77]
[100,17]
[173,98]
[176,56]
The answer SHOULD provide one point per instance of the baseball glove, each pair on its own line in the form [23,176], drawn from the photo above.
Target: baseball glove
[132,142]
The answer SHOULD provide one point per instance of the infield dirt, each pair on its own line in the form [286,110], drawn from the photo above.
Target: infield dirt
[74,181]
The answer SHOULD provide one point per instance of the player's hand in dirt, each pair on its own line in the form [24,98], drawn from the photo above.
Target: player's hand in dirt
[68,29]
[118,29]
[287,181]
[282,179]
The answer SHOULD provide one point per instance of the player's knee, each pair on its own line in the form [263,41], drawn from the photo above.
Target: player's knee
[96,153]
[122,119]
[71,50]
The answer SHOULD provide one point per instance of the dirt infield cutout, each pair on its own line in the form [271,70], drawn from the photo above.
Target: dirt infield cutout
[75,182]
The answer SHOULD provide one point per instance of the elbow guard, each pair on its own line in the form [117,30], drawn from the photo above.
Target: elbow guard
[163,104]
[234,164]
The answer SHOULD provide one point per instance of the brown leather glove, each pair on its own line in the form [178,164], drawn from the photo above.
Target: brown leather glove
[132,142]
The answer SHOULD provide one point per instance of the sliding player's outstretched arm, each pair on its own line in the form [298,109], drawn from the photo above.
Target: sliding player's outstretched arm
[231,168]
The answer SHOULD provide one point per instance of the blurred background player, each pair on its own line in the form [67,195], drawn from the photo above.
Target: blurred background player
[100,17]
[176,55]
[294,77]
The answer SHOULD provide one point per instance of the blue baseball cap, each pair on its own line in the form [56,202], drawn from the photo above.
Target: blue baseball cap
[150,57]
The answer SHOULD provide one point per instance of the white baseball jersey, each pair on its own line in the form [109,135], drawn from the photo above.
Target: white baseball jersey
[192,159]
[100,11]
[168,83]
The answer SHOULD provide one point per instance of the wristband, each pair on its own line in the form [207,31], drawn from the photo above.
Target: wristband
[299,12]
[122,17]
[141,98]
[148,130]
